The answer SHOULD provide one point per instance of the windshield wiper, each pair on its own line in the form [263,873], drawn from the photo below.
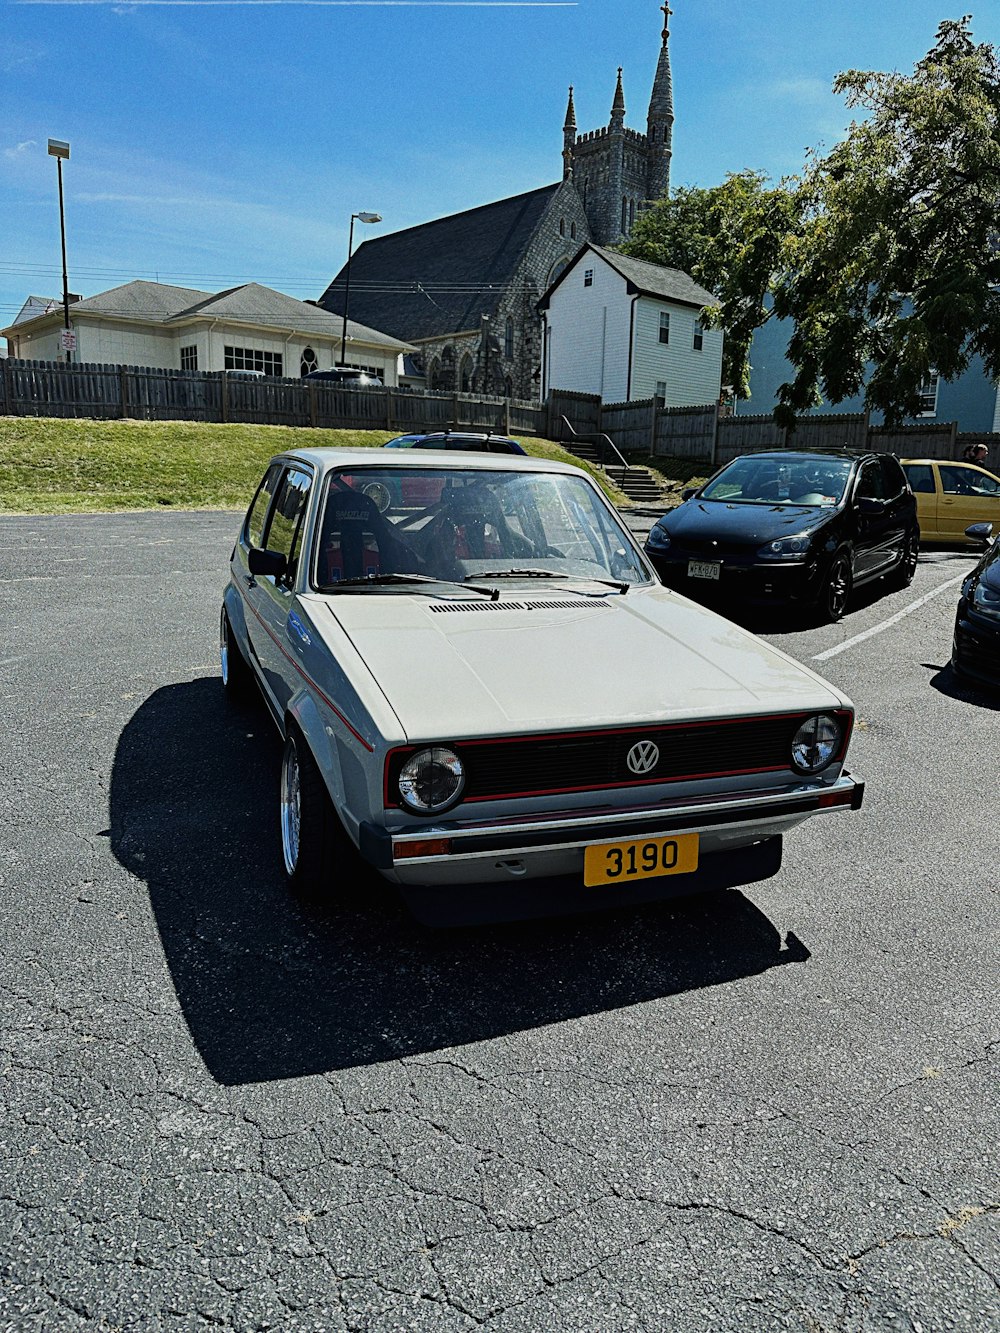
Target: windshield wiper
[550,574]
[382,580]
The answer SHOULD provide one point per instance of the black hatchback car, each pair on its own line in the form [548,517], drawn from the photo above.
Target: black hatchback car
[975,650]
[791,528]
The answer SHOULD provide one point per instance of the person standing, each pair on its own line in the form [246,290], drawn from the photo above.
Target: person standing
[976,453]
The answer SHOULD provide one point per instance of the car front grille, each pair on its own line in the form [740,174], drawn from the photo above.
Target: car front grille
[586,761]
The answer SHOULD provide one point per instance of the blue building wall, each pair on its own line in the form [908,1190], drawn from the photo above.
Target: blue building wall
[971,400]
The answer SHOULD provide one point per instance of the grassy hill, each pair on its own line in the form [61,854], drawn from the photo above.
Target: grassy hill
[52,466]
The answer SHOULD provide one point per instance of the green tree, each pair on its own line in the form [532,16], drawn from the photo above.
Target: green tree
[731,238]
[884,257]
[894,275]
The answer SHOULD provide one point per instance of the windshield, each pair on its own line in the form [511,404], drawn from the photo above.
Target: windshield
[451,524]
[810,480]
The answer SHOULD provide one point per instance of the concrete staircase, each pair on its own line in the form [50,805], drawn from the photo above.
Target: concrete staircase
[638,483]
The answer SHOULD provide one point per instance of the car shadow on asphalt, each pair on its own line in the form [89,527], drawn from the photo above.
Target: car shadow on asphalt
[271,990]
[946,682]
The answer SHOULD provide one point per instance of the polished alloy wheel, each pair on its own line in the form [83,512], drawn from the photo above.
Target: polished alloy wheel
[291,808]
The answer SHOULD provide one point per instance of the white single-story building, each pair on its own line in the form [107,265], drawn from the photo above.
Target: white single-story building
[178,328]
[628,330]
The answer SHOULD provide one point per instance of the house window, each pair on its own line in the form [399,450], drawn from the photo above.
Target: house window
[308,362]
[927,395]
[508,338]
[664,326]
[699,338]
[249,358]
[660,392]
[588,277]
[189,357]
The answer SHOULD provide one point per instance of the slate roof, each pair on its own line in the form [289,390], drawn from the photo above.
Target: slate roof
[161,303]
[441,276]
[669,284]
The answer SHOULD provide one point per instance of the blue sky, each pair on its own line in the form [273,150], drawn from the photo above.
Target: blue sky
[215,143]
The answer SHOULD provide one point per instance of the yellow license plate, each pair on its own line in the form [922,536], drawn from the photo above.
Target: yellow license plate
[622,862]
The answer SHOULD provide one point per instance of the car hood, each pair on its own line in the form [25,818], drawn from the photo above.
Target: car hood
[533,662]
[750,523]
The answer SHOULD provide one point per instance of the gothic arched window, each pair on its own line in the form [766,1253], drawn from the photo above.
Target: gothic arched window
[558,268]
[508,387]
[308,361]
[562,226]
[465,377]
[434,374]
[631,214]
[508,338]
[572,231]
[624,214]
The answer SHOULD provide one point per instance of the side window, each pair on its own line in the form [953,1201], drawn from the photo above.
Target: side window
[870,484]
[958,480]
[253,529]
[921,478]
[892,477]
[284,531]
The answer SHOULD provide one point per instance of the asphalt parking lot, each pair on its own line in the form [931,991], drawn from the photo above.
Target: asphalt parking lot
[774,1111]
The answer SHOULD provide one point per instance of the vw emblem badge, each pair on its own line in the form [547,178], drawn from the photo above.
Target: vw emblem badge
[643,757]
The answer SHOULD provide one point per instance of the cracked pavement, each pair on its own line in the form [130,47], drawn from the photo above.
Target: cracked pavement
[774,1110]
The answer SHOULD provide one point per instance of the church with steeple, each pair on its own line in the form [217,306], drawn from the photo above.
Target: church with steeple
[464,289]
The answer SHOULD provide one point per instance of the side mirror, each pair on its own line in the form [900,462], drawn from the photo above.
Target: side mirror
[267,562]
[870,506]
[687,492]
[980,532]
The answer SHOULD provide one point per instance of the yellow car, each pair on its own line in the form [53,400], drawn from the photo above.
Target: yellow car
[950,496]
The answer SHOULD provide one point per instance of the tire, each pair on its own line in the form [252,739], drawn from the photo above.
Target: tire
[831,603]
[312,838]
[902,575]
[237,676]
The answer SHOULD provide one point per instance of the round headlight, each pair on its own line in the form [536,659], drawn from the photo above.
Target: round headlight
[815,743]
[431,780]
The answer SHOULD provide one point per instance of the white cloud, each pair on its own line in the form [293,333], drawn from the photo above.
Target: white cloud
[20,149]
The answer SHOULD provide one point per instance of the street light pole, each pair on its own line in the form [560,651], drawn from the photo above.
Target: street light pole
[361,217]
[59,149]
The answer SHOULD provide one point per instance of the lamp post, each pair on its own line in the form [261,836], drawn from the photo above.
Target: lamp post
[361,217]
[59,149]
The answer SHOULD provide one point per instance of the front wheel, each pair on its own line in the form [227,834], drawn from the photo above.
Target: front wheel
[836,592]
[311,836]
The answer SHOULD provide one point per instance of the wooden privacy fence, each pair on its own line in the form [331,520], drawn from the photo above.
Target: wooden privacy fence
[58,389]
[698,434]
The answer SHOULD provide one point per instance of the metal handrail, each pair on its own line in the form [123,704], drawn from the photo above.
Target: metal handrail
[598,435]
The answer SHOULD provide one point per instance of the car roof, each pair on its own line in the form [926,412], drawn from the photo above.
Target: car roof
[821,454]
[325,459]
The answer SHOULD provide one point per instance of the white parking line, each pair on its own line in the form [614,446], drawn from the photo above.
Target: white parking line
[893,620]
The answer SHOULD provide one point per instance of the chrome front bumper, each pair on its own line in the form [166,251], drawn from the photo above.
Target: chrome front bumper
[499,850]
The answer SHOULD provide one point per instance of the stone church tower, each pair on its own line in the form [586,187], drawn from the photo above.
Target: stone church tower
[618,171]
[464,289]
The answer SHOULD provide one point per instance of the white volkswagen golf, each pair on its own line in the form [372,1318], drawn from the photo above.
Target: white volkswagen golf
[485,692]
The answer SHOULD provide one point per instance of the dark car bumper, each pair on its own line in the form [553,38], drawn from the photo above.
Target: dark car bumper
[976,648]
[740,579]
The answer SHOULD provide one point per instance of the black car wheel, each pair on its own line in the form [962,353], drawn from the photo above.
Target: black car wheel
[836,591]
[313,840]
[237,675]
[902,575]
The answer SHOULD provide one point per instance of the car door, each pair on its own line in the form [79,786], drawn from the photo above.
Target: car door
[923,484]
[873,546]
[273,596]
[899,508]
[968,495]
